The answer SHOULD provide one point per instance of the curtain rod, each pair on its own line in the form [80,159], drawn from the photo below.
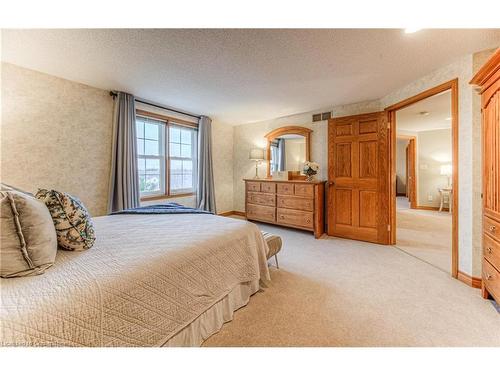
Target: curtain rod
[114,94]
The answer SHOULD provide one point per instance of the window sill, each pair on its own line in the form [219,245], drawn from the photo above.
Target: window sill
[161,197]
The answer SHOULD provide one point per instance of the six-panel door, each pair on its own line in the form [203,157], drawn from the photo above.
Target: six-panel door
[357,151]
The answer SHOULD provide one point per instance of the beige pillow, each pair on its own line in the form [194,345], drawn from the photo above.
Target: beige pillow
[27,235]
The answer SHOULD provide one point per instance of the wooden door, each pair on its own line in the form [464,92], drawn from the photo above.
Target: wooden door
[358,178]
[412,179]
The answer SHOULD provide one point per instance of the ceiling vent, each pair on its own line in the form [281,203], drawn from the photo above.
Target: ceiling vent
[322,116]
[317,117]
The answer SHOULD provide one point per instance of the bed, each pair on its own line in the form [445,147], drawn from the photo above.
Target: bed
[149,280]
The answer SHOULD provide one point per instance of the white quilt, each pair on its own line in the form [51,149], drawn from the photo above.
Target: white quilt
[146,278]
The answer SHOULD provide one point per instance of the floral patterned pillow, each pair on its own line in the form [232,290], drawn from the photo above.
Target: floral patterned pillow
[74,227]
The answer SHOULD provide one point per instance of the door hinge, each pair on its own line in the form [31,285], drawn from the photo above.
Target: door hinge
[388,125]
[389,227]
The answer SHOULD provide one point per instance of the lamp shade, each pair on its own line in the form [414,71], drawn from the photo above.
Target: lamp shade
[446,170]
[256,154]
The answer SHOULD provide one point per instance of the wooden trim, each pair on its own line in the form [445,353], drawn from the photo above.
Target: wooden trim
[475,282]
[231,213]
[487,71]
[391,116]
[161,117]
[423,95]
[163,196]
[299,130]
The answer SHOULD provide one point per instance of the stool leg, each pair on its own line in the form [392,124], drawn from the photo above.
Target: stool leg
[276,259]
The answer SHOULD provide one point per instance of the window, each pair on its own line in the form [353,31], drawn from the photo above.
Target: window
[166,157]
[181,152]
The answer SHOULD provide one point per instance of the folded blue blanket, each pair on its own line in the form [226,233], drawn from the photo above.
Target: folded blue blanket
[167,208]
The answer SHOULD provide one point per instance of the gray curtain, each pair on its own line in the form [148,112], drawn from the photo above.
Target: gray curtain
[205,193]
[281,155]
[124,187]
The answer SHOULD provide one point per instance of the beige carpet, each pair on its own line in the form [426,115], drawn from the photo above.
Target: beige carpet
[336,292]
[424,234]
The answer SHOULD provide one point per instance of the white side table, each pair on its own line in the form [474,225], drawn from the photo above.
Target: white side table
[446,193]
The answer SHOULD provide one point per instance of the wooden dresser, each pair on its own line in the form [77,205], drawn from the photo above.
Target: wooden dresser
[488,81]
[297,204]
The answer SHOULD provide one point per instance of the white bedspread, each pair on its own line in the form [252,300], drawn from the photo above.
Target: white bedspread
[146,278]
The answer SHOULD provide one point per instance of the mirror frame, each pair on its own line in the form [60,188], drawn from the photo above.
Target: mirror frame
[299,130]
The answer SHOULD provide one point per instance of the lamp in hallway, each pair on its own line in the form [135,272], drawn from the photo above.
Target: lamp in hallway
[257,155]
[446,170]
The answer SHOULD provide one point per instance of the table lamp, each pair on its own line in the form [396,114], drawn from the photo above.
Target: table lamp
[257,155]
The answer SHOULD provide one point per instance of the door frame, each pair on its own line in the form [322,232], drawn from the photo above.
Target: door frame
[391,119]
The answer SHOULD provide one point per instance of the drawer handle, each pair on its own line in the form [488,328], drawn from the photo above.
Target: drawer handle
[493,229]
[489,250]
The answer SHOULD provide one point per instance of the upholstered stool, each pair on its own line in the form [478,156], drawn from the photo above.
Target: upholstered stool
[274,244]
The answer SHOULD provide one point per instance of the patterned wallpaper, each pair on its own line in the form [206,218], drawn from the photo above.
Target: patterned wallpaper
[56,134]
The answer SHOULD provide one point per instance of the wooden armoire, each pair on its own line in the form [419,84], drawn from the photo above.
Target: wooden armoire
[487,80]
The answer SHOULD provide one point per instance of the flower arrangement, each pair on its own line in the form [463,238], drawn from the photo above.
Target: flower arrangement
[310,169]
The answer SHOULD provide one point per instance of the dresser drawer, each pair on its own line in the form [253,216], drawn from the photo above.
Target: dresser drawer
[285,189]
[268,187]
[491,227]
[491,279]
[295,217]
[491,250]
[264,213]
[253,186]
[261,198]
[304,190]
[295,203]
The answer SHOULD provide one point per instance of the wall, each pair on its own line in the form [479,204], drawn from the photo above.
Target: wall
[56,134]
[401,165]
[248,136]
[433,150]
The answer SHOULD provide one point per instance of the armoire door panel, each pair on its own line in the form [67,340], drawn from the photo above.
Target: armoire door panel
[357,149]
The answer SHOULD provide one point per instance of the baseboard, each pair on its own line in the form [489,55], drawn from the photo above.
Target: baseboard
[430,208]
[231,213]
[400,194]
[475,282]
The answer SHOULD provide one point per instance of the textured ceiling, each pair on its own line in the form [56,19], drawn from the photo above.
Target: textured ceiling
[239,76]
[438,108]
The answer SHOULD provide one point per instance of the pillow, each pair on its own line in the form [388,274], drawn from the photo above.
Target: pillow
[74,227]
[6,187]
[27,235]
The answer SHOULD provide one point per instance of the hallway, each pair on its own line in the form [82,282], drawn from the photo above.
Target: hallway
[424,234]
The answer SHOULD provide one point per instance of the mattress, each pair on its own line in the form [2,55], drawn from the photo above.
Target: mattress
[146,282]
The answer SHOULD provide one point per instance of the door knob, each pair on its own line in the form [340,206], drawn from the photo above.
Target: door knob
[489,250]
[331,183]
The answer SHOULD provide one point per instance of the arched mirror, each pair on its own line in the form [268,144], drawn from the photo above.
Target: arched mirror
[288,148]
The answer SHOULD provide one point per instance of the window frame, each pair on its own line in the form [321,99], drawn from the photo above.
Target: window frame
[165,158]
